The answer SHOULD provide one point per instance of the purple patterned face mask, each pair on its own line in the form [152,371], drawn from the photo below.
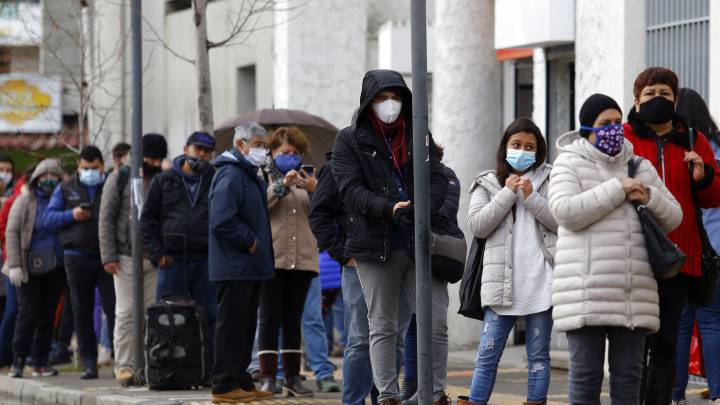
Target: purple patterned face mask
[608,139]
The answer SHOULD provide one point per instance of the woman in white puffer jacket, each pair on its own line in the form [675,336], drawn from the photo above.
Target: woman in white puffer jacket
[603,285]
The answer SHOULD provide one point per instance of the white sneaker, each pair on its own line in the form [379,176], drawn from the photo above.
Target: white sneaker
[715,401]
[681,402]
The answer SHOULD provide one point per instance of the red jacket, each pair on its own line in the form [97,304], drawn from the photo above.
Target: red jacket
[678,181]
[5,212]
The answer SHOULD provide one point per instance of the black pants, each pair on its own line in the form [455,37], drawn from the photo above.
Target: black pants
[237,304]
[84,273]
[662,345]
[37,301]
[64,329]
[282,300]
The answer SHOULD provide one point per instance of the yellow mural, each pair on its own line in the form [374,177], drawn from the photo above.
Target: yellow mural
[21,101]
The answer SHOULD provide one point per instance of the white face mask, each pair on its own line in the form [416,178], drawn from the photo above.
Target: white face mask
[257,156]
[388,110]
[6,177]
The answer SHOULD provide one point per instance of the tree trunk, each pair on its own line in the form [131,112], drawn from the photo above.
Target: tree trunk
[202,64]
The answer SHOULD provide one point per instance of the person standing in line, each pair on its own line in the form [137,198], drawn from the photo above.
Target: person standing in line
[661,136]
[75,207]
[174,227]
[116,250]
[691,106]
[35,268]
[509,208]
[240,259]
[603,285]
[282,298]
[372,165]
[7,177]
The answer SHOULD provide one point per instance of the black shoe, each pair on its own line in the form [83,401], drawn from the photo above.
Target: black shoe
[295,388]
[91,370]
[409,388]
[16,370]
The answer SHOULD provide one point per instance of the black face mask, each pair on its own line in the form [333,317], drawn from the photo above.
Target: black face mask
[197,165]
[656,111]
[150,170]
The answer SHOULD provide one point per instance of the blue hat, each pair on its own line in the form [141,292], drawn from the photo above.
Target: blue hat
[202,139]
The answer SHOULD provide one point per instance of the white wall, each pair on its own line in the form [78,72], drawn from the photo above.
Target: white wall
[609,49]
[319,59]
[467,112]
[536,23]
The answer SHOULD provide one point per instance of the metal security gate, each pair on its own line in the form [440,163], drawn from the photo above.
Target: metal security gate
[678,33]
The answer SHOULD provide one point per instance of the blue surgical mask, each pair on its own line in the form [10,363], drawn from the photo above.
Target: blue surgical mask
[520,160]
[91,177]
[287,162]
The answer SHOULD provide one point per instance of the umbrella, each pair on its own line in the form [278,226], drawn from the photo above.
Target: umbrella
[320,133]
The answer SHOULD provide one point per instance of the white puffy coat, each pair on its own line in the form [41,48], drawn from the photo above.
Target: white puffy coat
[602,274]
[490,217]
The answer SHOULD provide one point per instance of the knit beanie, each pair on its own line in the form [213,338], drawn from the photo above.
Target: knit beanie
[154,146]
[592,107]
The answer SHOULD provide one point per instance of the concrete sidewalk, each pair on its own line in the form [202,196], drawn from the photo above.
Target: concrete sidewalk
[69,389]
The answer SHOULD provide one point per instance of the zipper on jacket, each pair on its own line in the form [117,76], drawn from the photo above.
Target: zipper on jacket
[661,155]
[628,277]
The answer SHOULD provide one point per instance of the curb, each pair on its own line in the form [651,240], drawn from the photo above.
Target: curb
[31,392]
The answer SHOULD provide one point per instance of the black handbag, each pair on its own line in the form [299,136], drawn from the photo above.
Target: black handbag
[41,262]
[448,257]
[665,257]
[702,289]
[470,304]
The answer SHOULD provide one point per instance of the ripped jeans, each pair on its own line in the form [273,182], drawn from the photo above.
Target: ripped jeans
[496,329]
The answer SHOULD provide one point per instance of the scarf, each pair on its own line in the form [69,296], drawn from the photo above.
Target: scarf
[394,136]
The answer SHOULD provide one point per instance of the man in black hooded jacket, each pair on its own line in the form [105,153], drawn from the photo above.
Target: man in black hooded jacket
[372,165]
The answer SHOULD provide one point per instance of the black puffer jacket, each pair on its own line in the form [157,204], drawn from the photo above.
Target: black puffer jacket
[362,169]
[444,222]
[328,218]
[170,223]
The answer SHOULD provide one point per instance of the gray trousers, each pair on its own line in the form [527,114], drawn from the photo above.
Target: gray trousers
[382,284]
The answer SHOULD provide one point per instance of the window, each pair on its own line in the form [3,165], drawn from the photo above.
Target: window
[246,89]
[678,34]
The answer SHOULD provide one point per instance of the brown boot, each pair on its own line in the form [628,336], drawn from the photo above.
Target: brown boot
[268,370]
[390,401]
[293,383]
[466,401]
[444,400]
[533,403]
[234,396]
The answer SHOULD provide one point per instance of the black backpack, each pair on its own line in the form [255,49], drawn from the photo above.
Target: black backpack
[176,345]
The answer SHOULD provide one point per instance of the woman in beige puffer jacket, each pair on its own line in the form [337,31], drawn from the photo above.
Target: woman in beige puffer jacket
[603,285]
[509,209]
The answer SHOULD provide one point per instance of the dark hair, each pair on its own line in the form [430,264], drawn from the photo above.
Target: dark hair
[91,153]
[692,106]
[120,150]
[6,158]
[522,124]
[655,75]
[291,135]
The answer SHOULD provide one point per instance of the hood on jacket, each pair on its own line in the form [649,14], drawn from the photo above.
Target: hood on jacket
[573,142]
[46,166]
[376,81]
[488,179]
[233,157]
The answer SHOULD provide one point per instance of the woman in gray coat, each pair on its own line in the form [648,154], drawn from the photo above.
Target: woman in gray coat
[509,209]
[35,266]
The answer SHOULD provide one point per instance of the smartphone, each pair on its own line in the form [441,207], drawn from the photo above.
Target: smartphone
[308,169]
[85,206]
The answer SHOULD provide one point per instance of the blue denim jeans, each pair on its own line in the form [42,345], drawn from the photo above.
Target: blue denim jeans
[357,370]
[190,279]
[313,328]
[7,328]
[335,321]
[709,325]
[496,329]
